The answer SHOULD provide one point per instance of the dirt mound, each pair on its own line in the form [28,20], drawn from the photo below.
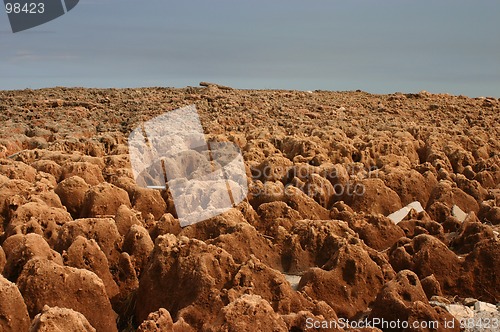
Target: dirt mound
[17,170]
[377,231]
[103,199]
[12,308]
[372,195]
[48,166]
[19,249]
[13,193]
[201,270]
[160,321]
[89,172]
[313,242]
[410,185]
[35,217]
[72,191]
[448,194]
[426,255]
[470,233]
[3,259]
[403,300]
[480,278]
[138,244]
[86,254]
[60,319]
[102,230]
[149,201]
[249,313]
[339,281]
[43,282]
[167,224]
[255,277]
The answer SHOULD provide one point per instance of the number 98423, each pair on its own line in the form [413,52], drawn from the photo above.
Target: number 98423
[24,8]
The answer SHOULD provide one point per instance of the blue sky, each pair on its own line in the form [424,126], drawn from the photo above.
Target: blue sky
[376,46]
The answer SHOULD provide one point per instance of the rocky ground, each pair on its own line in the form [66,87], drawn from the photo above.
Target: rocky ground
[84,248]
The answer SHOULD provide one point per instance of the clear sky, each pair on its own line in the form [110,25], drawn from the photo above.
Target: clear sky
[382,46]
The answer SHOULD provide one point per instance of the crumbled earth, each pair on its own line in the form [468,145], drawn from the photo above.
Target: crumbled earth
[85,248]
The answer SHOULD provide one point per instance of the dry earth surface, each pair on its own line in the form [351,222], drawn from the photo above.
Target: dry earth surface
[84,248]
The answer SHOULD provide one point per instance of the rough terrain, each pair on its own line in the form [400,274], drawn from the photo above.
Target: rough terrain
[84,248]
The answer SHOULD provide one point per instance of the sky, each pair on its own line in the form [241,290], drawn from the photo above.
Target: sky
[450,46]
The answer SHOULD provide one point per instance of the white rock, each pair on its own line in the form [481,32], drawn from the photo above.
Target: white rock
[400,214]
[458,213]
[459,311]
[293,280]
[469,301]
[437,304]
[484,306]
[416,206]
